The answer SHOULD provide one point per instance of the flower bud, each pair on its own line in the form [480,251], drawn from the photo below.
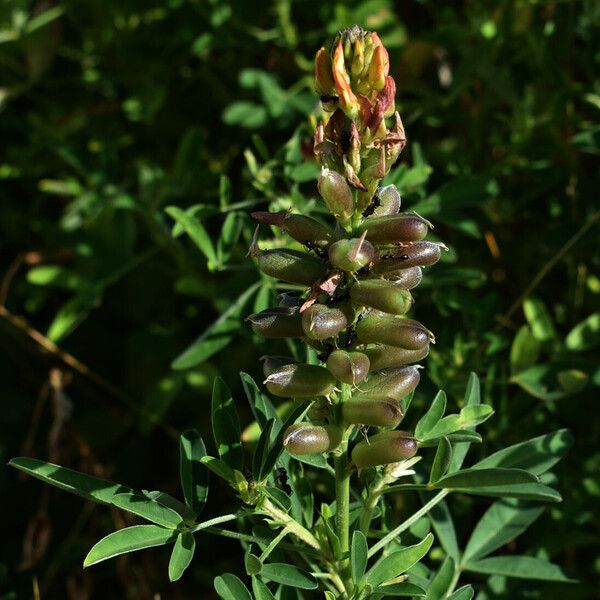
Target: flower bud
[348,367]
[300,381]
[302,439]
[404,333]
[303,229]
[337,194]
[376,412]
[419,254]
[382,356]
[351,255]
[379,67]
[291,266]
[384,448]
[278,322]
[405,278]
[391,383]
[273,363]
[382,295]
[320,322]
[389,201]
[395,229]
[323,74]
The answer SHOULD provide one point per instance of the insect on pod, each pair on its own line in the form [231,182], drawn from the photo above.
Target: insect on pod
[337,194]
[277,322]
[300,380]
[384,448]
[352,255]
[372,411]
[419,254]
[382,295]
[291,266]
[389,201]
[405,278]
[403,333]
[391,383]
[382,356]
[395,229]
[301,439]
[320,322]
[348,367]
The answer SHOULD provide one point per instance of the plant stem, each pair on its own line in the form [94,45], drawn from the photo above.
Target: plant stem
[370,504]
[290,524]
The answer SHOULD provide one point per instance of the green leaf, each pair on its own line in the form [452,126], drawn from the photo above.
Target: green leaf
[432,416]
[252,563]
[150,510]
[502,523]
[539,319]
[399,562]
[472,398]
[193,474]
[128,539]
[218,467]
[86,486]
[262,407]
[475,478]
[521,567]
[443,525]
[249,115]
[536,455]
[261,591]
[551,381]
[289,575]
[230,232]
[400,589]
[525,491]
[216,336]
[441,461]
[524,351]
[196,231]
[584,335]
[262,449]
[440,584]
[230,587]
[358,556]
[464,593]
[181,557]
[226,426]
[469,416]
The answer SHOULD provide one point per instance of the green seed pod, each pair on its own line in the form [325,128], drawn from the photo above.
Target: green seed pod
[278,322]
[395,229]
[348,367]
[320,322]
[379,413]
[300,381]
[337,194]
[351,255]
[273,363]
[405,278]
[382,295]
[391,383]
[403,333]
[384,448]
[382,356]
[291,266]
[389,201]
[301,438]
[303,229]
[419,254]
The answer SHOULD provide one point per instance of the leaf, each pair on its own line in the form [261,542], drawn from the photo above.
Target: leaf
[525,491]
[249,115]
[524,351]
[128,539]
[502,523]
[464,593]
[551,381]
[584,335]
[472,398]
[262,407]
[226,426]
[150,510]
[218,467]
[261,591]
[469,416]
[432,416]
[181,557]
[475,478]
[216,336]
[539,319]
[441,461]
[70,316]
[442,580]
[443,525]
[193,474]
[260,454]
[400,589]
[196,231]
[230,587]
[536,455]
[399,562]
[289,575]
[252,563]
[358,556]
[230,233]
[86,486]
[522,567]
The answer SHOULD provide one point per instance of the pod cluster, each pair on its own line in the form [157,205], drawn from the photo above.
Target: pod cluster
[358,271]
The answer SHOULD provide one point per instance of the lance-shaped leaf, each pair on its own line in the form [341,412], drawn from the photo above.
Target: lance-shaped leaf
[261,591]
[472,398]
[443,525]
[219,468]
[475,478]
[193,474]
[148,509]
[230,587]
[358,556]
[400,590]
[262,407]
[525,491]
[469,416]
[226,426]
[262,451]
[129,539]
[196,231]
[432,416]
[181,557]
[440,584]
[521,567]
[464,593]
[441,461]
[289,575]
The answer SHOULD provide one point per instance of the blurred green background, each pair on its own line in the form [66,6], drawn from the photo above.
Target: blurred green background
[113,323]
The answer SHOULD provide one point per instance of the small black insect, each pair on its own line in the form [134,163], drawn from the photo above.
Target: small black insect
[326,98]
[281,477]
[374,204]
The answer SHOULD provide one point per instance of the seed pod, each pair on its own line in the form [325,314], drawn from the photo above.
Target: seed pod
[395,229]
[382,295]
[391,383]
[348,367]
[403,333]
[382,356]
[291,266]
[419,254]
[301,438]
[303,229]
[351,255]
[405,278]
[337,194]
[384,448]
[320,322]
[300,381]
[379,413]
[273,363]
[389,201]
[277,322]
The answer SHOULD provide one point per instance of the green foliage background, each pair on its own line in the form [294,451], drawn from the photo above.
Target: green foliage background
[114,112]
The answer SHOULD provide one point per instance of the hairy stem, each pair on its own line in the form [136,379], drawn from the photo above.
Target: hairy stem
[290,524]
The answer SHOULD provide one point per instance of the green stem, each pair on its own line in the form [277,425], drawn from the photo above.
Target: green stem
[276,540]
[370,504]
[291,524]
